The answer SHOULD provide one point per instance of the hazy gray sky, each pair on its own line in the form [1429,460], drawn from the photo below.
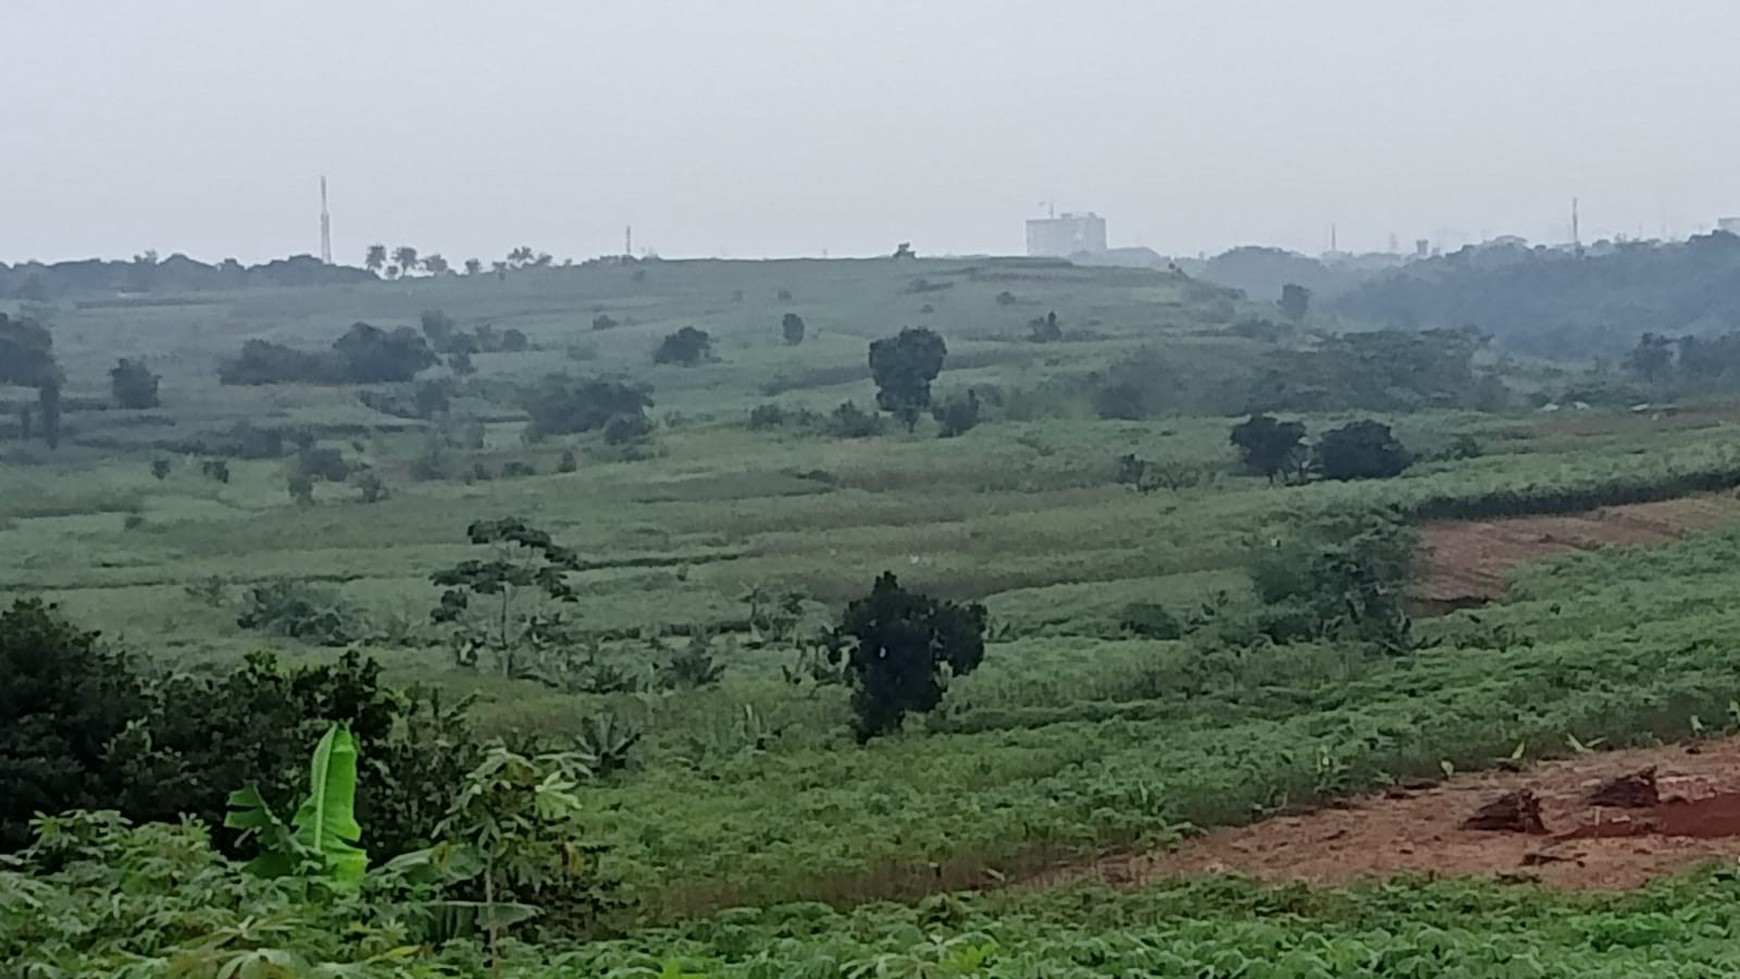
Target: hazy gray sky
[786,127]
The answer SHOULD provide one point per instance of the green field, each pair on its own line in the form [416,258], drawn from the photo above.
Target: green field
[750,830]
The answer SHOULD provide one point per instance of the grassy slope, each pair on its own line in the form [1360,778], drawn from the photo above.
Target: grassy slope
[1069,739]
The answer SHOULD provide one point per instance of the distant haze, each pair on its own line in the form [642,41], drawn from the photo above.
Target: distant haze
[790,127]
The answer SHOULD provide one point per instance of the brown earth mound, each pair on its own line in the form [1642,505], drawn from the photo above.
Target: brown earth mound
[1591,846]
[1637,790]
[1466,560]
[1512,812]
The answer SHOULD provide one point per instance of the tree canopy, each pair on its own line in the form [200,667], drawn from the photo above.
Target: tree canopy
[903,367]
[133,384]
[686,348]
[363,355]
[562,405]
[1361,450]
[1268,447]
[901,649]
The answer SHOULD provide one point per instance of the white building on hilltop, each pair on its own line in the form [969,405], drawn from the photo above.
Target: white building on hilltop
[1066,234]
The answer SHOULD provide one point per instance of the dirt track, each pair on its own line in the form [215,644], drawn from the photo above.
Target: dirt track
[1585,846]
[1466,561]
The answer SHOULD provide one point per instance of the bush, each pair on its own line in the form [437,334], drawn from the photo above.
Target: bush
[792,328]
[957,415]
[133,385]
[568,462]
[518,469]
[686,348]
[625,429]
[562,405]
[849,421]
[604,322]
[298,610]
[1361,450]
[1151,621]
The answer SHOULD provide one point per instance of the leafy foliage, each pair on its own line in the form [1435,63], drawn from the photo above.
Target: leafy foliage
[791,328]
[298,610]
[322,838]
[957,415]
[904,647]
[525,562]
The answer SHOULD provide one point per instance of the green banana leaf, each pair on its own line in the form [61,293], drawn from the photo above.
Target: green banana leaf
[325,824]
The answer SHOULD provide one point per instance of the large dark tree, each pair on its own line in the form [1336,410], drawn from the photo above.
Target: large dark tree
[901,648]
[1268,447]
[903,367]
[1361,450]
[792,326]
[133,384]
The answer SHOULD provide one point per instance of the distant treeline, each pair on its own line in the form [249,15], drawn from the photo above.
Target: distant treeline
[1556,302]
[38,282]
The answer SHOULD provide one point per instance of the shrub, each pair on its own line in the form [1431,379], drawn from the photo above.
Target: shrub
[133,385]
[626,429]
[686,348]
[561,405]
[518,469]
[1361,450]
[604,322]
[957,415]
[298,610]
[568,462]
[849,421]
[1151,621]
[792,328]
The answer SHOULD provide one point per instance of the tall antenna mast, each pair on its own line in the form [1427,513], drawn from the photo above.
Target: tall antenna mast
[628,241]
[325,227]
[1576,232]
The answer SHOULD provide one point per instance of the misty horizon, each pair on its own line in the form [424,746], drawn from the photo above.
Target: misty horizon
[803,130]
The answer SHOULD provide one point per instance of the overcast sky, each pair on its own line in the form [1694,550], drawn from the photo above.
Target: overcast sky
[792,127]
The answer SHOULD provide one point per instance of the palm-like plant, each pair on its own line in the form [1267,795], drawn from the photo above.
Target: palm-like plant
[406,258]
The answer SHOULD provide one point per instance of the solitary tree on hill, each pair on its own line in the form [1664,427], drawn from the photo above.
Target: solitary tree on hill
[405,257]
[793,328]
[377,259]
[133,385]
[903,367]
[901,649]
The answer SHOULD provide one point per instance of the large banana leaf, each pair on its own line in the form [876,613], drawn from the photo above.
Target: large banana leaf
[325,824]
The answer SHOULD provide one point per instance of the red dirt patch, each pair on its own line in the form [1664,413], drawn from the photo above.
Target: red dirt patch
[1589,846]
[1466,561]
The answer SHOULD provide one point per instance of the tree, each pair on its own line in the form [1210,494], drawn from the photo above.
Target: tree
[792,326]
[133,385]
[1268,447]
[26,353]
[1361,450]
[563,405]
[473,266]
[901,650]
[405,257]
[525,562]
[904,250]
[903,367]
[1295,302]
[377,258]
[520,257]
[436,265]
[686,347]
[1345,579]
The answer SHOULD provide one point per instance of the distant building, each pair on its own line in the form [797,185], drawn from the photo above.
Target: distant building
[1066,235]
[1730,225]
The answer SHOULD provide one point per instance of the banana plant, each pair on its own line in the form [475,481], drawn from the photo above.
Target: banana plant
[321,839]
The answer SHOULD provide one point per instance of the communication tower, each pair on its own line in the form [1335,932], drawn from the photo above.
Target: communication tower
[325,227]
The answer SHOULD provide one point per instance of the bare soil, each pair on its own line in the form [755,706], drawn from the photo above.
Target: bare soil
[1466,561]
[1579,843]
